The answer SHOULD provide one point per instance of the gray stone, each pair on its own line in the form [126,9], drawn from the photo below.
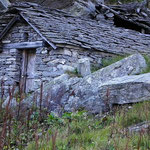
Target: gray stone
[127,89]
[55,93]
[67,52]
[63,77]
[87,90]
[110,15]
[58,61]
[13,50]
[52,74]
[6,42]
[77,9]
[131,65]
[84,67]
[82,8]
[12,104]
[99,91]
[140,127]
[65,68]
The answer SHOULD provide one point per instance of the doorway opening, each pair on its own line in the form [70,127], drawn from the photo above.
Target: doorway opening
[28,70]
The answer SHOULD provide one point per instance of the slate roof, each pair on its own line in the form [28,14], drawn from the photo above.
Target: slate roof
[57,27]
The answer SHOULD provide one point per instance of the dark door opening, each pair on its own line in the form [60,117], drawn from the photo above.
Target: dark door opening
[28,70]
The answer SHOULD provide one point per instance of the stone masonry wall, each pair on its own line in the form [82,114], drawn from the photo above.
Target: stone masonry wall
[48,64]
[53,63]
[11,59]
[21,32]
[10,68]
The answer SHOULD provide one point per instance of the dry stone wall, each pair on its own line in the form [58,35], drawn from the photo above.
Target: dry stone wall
[10,68]
[49,63]
[21,32]
[53,63]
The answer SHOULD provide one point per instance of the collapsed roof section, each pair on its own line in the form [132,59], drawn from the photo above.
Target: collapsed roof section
[135,16]
[58,28]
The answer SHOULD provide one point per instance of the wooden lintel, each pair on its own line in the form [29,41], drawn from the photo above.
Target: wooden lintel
[8,27]
[24,45]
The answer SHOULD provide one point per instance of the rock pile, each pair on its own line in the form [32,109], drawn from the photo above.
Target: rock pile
[99,91]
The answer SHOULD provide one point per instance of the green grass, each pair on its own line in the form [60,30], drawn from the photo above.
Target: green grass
[111,60]
[147,70]
[80,131]
[94,68]
[106,62]
[139,113]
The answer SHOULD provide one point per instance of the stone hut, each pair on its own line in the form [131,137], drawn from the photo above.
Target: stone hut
[37,44]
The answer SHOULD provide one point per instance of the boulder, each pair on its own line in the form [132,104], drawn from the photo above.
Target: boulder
[131,65]
[83,7]
[65,68]
[55,93]
[86,92]
[125,90]
[83,67]
[91,92]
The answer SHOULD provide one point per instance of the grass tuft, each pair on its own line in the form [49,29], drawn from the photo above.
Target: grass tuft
[109,61]
[147,70]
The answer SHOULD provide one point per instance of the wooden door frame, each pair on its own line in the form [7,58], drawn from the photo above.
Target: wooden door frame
[25,70]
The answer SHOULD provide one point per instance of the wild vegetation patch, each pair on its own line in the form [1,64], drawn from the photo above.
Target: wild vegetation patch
[37,128]
[79,130]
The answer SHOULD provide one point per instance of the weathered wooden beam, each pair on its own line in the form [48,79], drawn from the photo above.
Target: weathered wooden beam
[8,27]
[24,45]
[50,43]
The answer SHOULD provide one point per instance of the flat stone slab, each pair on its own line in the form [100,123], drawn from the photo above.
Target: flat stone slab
[131,65]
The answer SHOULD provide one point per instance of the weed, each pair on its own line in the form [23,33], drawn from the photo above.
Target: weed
[35,128]
[80,130]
